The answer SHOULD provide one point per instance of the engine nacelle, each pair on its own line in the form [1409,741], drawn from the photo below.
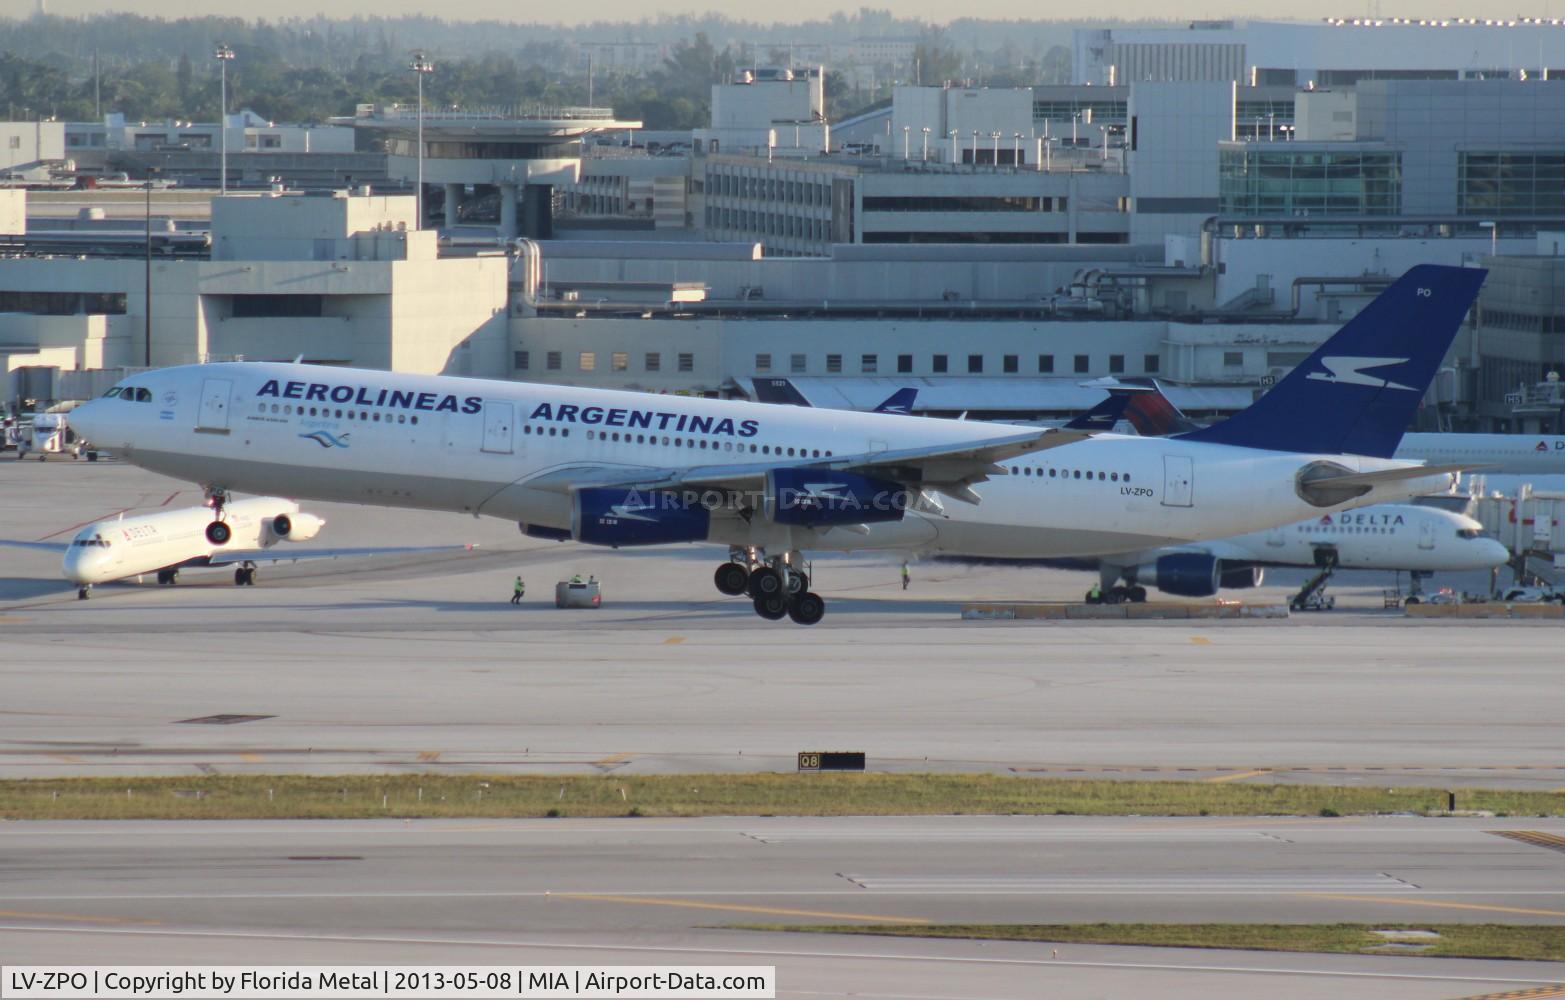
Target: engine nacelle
[637,517]
[1188,574]
[300,527]
[1240,576]
[1196,574]
[814,497]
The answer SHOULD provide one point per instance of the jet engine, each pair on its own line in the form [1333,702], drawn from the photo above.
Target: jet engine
[821,497]
[601,516]
[1197,574]
[300,527]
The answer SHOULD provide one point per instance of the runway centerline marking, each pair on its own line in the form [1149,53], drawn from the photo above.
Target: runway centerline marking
[776,911]
[1222,778]
[1439,904]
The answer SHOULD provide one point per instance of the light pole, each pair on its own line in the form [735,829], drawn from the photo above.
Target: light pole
[906,132]
[996,137]
[975,149]
[926,143]
[1016,149]
[953,147]
[422,67]
[1494,237]
[146,327]
[224,55]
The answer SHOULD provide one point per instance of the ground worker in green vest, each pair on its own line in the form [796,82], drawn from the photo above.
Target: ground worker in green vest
[1095,595]
[907,575]
[518,591]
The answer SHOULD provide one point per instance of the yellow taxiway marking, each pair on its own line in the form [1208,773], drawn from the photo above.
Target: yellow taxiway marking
[1240,776]
[673,640]
[66,758]
[251,758]
[775,911]
[429,756]
[13,618]
[614,758]
[1438,904]
[1200,640]
[74,918]
[1535,992]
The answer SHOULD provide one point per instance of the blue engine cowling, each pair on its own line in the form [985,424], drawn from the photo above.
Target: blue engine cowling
[1196,574]
[812,497]
[637,517]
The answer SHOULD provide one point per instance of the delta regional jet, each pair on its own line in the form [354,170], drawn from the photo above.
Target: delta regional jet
[770,482]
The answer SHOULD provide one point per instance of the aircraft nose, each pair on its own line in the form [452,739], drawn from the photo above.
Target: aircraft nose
[89,421]
[1492,553]
[81,564]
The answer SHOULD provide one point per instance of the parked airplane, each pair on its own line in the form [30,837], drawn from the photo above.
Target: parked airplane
[167,541]
[1419,540]
[781,390]
[1102,417]
[1153,414]
[619,468]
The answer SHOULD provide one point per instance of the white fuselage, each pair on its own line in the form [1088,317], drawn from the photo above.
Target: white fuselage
[120,547]
[1389,536]
[514,450]
[1499,454]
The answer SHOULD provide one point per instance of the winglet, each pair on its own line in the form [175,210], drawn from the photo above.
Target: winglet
[1360,389]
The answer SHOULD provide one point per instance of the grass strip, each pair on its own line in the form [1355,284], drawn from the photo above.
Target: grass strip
[263,796]
[1522,941]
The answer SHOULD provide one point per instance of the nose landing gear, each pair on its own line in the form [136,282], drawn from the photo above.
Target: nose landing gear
[218,532]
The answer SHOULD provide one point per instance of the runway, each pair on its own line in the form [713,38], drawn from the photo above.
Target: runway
[661,891]
[420,663]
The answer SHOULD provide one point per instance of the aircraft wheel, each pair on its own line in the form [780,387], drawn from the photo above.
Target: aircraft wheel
[1412,600]
[731,579]
[798,583]
[765,582]
[81,593]
[1138,594]
[219,533]
[772,607]
[807,609]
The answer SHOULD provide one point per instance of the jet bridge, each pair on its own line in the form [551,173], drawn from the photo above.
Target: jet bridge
[1529,525]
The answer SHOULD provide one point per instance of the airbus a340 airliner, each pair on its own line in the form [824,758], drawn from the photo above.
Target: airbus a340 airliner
[621,468]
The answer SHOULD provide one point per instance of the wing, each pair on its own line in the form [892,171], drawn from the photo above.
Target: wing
[44,546]
[952,469]
[228,557]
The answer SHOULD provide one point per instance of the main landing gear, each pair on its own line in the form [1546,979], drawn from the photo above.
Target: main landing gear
[81,592]
[776,589]
[218,532]
[244,574]
[168,577]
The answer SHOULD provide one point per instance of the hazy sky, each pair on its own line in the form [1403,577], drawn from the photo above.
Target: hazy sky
[939,11]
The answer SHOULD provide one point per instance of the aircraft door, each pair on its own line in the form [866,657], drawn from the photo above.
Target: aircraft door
[497,428]
[1426,535]
[213,417]
[1178,481]
[1277,537]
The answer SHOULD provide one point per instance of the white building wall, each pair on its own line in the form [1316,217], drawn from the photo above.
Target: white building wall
[760,104]
[13,211]
[1326,115]
[23,144]
[1173,166]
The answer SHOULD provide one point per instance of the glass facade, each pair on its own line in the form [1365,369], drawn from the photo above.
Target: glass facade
[1494,183]
[1281,179]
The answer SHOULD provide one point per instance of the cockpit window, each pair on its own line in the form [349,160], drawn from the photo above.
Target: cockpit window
[1467,532]
[112,393]
[96,541]
[143,395]
[130,393]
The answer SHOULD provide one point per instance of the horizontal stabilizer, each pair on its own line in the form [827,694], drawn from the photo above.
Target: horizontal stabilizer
[1326,484]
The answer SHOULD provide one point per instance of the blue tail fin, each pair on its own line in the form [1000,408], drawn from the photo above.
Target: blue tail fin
[1359,391]
[778,390]
[900,401]
[1102,417]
